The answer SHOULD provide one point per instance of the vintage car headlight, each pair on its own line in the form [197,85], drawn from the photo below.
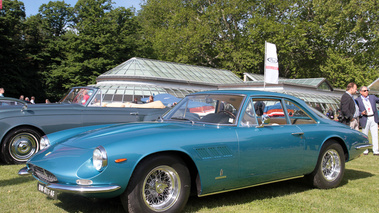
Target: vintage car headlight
[44,142]
[99,158]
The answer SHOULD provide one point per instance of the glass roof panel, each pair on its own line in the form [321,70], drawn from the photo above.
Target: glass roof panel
[174,71]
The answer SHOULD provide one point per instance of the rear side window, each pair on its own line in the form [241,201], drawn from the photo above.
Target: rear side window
[297,115]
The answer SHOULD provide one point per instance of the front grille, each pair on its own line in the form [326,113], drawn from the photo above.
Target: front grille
[42,174]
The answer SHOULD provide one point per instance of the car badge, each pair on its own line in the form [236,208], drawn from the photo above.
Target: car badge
[221,175]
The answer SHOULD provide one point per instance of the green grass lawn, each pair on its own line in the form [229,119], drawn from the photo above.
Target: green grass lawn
[359,192]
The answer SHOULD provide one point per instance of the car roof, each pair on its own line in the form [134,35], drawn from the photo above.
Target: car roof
[12,99]
[248,93]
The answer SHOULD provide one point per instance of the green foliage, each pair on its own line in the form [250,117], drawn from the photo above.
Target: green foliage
[11,51]
[70,45]
[94,39]
[231,35]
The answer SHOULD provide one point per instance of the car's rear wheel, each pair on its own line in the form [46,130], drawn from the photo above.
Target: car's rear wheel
[19,145]
[330,166]
[159,184]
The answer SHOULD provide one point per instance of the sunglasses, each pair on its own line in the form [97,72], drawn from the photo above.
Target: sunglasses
[365,90]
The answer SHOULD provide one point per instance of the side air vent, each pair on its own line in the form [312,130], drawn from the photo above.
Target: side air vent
[214,152]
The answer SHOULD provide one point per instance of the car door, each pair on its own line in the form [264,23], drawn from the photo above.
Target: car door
[272,151]
[105,115]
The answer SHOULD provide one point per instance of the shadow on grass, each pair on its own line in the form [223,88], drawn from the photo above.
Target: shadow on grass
[76,203]
[16,181]
[268,191]
[351,174]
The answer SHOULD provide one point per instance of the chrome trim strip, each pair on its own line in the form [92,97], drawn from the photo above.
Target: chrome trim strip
[24,171]
[82,189]
[363,146]
[245,187]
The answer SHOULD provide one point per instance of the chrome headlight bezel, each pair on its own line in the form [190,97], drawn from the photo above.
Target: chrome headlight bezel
[99,158]
[44,142]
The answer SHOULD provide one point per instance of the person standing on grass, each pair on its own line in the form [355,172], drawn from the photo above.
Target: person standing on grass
[368,117]
[349,108]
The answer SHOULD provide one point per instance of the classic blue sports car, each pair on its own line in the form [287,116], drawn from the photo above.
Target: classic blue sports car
[22,124]
[211,142]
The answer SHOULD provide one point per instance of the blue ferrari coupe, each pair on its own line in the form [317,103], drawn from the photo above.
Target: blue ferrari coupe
[210,142]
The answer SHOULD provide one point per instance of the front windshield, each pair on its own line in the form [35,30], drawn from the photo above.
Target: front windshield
[78,96]
[210,108]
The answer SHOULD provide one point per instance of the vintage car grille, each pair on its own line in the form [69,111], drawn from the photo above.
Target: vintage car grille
[42,174]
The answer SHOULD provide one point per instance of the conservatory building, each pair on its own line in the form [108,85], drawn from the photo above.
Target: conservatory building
[140,78]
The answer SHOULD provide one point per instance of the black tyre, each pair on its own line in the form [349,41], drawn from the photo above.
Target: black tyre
[159,184]
[330,166]
[19,145]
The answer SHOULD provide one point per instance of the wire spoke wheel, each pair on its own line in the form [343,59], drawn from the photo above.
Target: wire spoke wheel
[161,188]
[160,183]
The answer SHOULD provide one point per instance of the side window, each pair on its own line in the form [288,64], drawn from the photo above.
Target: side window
[263,106]
[249,118]
[271,107]
[297,115]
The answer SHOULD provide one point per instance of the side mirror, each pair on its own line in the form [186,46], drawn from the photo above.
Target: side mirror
[265,120]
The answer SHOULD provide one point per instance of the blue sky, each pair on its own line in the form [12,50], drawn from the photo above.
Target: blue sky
[32,6]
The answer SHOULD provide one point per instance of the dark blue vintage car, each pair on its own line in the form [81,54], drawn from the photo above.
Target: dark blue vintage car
[22,124]
[211,142]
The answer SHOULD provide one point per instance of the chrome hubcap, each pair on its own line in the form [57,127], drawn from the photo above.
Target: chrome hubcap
[331,165]
[23,146]
[161,188]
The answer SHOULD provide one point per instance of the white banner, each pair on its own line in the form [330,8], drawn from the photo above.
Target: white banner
[271,64]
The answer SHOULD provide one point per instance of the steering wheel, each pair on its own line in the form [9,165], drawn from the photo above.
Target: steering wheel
[230,114]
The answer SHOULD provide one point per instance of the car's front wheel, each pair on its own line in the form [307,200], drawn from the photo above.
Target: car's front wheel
[330,166]
[19,145]
[158,184]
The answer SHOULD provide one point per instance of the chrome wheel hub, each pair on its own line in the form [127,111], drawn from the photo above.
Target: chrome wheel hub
[23,146]
[331,165]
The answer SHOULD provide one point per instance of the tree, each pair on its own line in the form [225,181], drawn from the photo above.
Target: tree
[15,75]
[99,38]
[350,29]
[56,16]
[42,33]
[309,35]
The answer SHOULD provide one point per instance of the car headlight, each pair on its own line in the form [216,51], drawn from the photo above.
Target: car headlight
[44,142]
[99,158]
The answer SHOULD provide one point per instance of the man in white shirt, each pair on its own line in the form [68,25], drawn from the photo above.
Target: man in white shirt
[1,92]
[368,117]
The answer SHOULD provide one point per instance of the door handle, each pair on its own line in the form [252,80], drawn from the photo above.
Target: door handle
[298,133]
[134,113]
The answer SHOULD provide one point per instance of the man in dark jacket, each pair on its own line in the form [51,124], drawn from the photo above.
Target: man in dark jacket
[349,109]
[368,117]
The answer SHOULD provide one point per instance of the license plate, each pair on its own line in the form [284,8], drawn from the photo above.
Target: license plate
[50,193]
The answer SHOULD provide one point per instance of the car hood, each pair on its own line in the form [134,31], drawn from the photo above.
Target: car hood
[74,152]
[122,132]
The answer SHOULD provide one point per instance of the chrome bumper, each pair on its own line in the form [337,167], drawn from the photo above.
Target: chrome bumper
[79,189]
[82,189]
[24,171]
[364,146]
